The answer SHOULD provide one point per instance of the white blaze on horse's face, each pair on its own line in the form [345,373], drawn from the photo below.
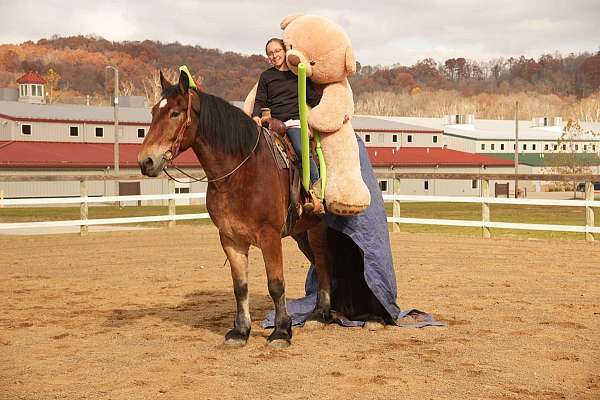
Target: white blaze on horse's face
[162,103]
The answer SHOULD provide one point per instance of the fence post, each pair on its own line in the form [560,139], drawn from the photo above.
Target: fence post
[485,207]
[589,211]
[83,207]
[171,203]
[396,203]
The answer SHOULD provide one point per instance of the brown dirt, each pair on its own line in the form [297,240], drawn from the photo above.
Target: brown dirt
[141,315]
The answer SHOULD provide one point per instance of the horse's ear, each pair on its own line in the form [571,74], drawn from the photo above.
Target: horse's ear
[184,82]
[163,82]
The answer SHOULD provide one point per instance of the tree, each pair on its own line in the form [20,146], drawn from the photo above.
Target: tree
[575,155]
[52,77]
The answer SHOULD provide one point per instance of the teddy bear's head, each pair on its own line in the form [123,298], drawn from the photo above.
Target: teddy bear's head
[321,45]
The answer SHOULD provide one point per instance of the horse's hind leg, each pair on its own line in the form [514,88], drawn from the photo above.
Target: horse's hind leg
[238,259]
[270,245]
[317,238]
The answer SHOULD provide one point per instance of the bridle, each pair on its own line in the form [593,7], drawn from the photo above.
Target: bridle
[173,152]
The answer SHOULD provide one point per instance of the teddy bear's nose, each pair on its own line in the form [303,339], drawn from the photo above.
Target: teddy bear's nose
[293,59]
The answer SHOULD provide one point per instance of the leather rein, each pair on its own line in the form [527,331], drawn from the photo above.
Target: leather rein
[173,152]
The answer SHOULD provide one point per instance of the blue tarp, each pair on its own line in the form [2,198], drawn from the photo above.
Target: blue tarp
[368,233]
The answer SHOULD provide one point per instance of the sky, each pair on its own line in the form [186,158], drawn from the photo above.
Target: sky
[382,32]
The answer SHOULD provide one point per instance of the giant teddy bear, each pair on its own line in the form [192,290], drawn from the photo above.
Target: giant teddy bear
[325,49]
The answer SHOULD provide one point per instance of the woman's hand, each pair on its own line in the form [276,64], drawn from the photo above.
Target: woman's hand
[257,120]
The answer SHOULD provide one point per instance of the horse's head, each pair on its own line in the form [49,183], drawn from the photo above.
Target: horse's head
[173,128]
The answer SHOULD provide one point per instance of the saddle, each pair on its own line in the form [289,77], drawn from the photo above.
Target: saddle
[275,133]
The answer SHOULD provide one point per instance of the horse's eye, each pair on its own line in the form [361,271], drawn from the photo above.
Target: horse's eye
[312,63]
[174,114]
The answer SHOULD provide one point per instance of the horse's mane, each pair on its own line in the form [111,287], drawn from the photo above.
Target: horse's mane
[221,124]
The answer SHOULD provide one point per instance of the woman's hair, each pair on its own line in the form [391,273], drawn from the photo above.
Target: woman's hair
[280,41]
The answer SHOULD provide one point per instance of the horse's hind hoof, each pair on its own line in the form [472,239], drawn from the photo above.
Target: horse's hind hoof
[279,343]
[373,326]
[313,324]
[235,338]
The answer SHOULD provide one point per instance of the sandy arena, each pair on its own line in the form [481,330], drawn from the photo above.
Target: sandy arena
[141,315]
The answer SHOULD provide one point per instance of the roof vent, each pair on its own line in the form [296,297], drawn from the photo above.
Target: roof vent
[459,119]
[547,121]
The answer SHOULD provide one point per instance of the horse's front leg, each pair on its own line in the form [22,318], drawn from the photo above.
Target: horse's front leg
[237,253]
[270,245]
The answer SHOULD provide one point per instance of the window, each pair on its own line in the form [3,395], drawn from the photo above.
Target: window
[514,146]
[492,146]
[179,190]
[474,184]
[482,146]
[434,139]
[426,185]
[545,147]
[367,138]
[533,147]
[525,146]
[99,132]
[26,129]
[34,90]
[141,133]
[394,138]
[555,147]
[564,147]
[501,146]
[409,139]
[593,147]
[576,147]
[585,147]
[383,186]
[74,131]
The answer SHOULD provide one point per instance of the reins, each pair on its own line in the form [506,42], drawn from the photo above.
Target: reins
[174,151]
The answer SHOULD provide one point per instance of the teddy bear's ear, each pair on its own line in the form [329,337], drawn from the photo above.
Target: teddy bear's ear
[286,21]
[350,61]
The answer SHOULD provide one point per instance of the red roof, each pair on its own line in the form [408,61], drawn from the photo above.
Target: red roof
[75,155]
[32,77]
[429,156]
[30,154]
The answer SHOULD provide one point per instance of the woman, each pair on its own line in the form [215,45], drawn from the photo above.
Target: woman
[278,90]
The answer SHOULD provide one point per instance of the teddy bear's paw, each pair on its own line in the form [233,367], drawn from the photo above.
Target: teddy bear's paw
[344,209]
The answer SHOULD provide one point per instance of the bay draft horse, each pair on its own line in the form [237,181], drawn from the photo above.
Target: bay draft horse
[247,196]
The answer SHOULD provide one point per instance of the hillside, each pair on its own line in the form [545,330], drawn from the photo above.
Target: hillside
[551,84]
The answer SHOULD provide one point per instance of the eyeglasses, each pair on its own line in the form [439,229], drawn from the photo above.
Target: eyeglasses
[272,53]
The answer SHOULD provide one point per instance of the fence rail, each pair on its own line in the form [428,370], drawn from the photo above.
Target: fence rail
[485,223]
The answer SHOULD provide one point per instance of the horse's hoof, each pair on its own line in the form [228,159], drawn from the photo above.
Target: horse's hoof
[279,344]
[373,326]
[313,324]
[235,339]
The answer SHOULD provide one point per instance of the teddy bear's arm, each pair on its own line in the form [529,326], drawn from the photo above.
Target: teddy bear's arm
[331,112]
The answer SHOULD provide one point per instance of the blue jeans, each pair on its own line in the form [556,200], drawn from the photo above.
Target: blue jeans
[296,139]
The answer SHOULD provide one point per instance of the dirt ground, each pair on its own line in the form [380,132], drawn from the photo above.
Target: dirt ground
[141,315]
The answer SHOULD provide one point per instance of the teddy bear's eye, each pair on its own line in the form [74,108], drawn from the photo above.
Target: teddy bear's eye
[291,47]
[312,63]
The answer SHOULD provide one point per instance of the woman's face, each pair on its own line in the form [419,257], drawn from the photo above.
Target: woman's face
[276,54]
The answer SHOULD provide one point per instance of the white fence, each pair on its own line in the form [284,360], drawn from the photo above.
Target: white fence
[485,223]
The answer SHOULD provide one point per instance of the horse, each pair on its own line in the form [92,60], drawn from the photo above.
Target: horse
[247,196]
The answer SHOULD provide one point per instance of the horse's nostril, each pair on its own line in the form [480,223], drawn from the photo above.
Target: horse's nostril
[148,163]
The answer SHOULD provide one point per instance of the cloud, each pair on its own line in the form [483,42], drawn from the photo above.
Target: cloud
[384,32]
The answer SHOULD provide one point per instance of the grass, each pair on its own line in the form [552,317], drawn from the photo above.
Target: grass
[463,211]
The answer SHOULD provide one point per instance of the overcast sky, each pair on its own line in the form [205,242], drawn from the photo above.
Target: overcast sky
[382,32]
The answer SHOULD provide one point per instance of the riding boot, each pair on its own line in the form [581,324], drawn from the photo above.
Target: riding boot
[313,204]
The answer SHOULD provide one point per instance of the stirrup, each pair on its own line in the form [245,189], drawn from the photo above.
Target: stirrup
[314,205]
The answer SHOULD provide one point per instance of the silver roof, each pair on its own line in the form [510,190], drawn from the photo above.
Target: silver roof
[74,112]
[487,129]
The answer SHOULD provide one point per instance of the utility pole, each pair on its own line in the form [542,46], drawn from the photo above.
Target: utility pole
[516,149]
[116,105]
[116,147]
